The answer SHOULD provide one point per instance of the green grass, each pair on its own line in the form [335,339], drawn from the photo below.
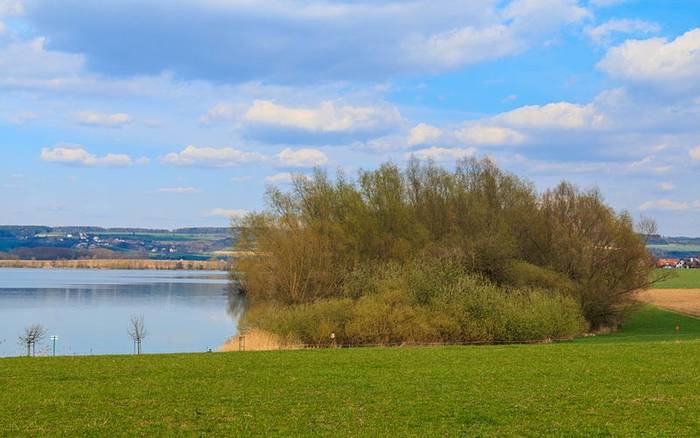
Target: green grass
[566,389]
[679,279]
[650,324]
[641,381]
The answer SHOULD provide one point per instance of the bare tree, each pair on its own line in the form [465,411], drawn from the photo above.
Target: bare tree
[31,336]
[137,331]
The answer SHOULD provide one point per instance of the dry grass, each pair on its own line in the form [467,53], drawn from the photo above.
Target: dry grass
[680,300]
[255,340]
[197,265]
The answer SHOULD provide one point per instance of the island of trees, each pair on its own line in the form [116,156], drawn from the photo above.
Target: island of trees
[429,255]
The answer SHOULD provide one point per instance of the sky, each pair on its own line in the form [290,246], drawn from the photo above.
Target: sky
[178,113]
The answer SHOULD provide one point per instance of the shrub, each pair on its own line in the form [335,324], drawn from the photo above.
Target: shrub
[472,254]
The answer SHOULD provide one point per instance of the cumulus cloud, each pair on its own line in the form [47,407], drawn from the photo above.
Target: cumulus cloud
[211,157]
[228,213]
[287,43]
[666,186]
[656,61]
[442,155]
[301,157]
[463,46]
[561,115]
[602,33]
[78,156]
[280,178]
[328,117]
[489,135]
[93,118]
[423,134]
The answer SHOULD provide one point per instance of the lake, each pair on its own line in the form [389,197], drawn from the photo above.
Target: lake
[90,310]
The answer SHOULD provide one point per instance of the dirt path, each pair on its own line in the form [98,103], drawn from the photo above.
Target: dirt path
[681,300]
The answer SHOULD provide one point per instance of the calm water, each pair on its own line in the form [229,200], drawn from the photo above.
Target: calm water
[89,310]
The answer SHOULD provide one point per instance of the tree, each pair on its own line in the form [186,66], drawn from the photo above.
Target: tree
[137,331]
[31,336]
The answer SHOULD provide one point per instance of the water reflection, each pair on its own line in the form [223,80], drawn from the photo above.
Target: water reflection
[90,310]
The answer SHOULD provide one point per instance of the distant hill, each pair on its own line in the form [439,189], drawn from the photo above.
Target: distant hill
[28,242]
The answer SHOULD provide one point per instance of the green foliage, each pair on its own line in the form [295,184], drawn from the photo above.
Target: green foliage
[422,301]
[562,389]
[418,245]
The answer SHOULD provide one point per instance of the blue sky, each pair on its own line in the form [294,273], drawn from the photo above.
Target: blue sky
[179,113]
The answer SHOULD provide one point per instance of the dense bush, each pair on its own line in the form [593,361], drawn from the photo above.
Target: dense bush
[423,302]
[428,255]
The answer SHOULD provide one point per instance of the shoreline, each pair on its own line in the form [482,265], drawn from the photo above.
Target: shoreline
[135,264]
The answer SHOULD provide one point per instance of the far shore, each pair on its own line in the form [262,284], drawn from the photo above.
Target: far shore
[194,265]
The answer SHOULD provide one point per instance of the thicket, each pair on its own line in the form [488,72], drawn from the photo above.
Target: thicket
[431,255]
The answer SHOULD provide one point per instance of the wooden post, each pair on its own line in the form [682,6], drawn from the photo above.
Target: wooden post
[241,343]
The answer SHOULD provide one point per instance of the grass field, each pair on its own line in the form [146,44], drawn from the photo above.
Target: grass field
[680,279]
[593,387]
[651,324]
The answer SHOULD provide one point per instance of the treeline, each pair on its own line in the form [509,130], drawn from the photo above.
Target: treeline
[431,255]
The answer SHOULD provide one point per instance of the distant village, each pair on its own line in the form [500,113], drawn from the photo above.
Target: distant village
[46,243]
[676,263]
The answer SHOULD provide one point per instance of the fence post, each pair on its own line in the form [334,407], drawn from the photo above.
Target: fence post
[241,343]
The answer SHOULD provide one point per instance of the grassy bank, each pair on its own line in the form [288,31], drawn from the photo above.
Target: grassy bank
[116,264]
[650,324]
[557,389]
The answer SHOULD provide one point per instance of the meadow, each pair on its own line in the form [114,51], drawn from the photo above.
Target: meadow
[640,381]
[680,279]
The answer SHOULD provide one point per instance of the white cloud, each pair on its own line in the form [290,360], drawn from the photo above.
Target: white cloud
[489,135]
[219,112]
[280,178]
[537,16]
[656,60]
[601,34]
[301,158]
[328,117]
[439,154]
[694,153]
[423,133]
[79,156]
[463,46]
[666,186]
[11,7]
[177,190]
[92,118]
[28,64]
[561,115]
[228,213]
[668,204]
[604,3]
[212,157]
[23,117]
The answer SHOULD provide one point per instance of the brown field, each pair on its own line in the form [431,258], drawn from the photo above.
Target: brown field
[680,300]
[118,264]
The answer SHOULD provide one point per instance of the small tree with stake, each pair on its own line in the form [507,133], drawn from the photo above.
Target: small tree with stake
[31,336]
[137,331]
